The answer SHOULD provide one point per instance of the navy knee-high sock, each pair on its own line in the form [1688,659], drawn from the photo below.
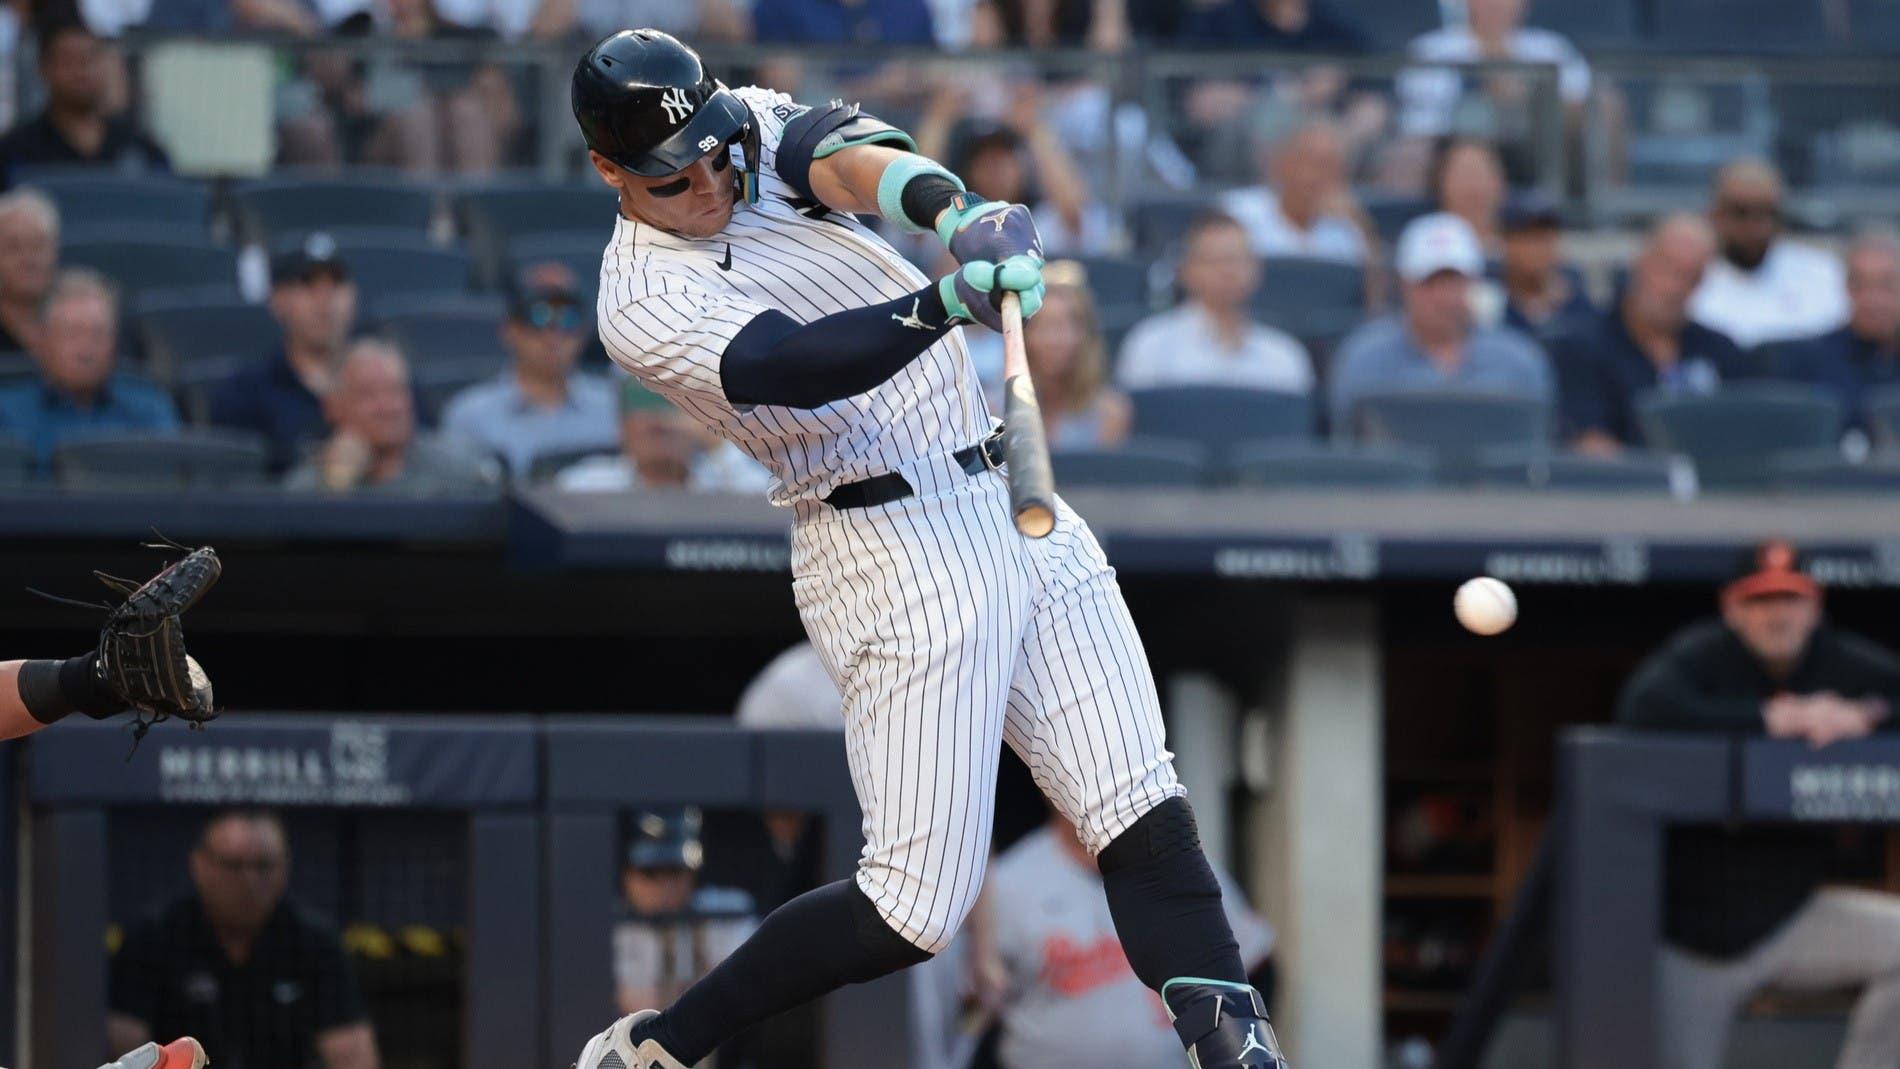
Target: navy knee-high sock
[1166,902]
[817,942]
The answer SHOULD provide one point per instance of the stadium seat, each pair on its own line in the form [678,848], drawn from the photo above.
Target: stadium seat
[1516,468]
[277,210]
[1390,213]
[1454,425]
[199,459]
[193,381]
[16,464]
[1732,434]
[580,251]
[1875,25]
[1601,22]
[17,367]
[89,197]
[546,466]
[1137,462]
[447,332]
[142,266]
[1826,471]
[1117,283]
[1882,409]
[1683,131]
[177,330]
[386,263]
[1447,420]
[1751,26]
[1217,418]
[493,219]
[1159,225]
[1393,24]
[1302,295]
[438,380]
[1337,465]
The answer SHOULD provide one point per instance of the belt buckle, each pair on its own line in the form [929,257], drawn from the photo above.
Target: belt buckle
[992,462]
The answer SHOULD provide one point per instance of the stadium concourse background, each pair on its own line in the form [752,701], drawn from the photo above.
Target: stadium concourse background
[1377,778]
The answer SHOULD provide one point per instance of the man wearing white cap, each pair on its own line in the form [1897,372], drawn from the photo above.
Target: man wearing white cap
[1432,344]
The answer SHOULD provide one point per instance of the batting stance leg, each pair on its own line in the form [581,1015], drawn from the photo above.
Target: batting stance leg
[1085,717]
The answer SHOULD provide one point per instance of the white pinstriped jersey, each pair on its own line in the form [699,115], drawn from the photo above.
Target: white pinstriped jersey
[947,634]
[669,305]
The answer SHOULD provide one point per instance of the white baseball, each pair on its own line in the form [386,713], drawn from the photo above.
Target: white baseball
[1485,606]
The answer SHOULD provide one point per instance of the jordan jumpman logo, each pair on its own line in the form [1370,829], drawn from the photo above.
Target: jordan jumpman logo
[913,321]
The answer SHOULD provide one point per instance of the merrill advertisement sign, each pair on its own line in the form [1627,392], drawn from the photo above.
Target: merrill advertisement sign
[353,770]
[346,763]
[1850,781]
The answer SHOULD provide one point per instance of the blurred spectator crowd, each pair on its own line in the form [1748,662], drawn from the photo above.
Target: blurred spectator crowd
[1361,268]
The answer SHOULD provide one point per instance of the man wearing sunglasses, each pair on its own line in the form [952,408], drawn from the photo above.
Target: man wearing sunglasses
[740,285]
[1762,287]
[539,405]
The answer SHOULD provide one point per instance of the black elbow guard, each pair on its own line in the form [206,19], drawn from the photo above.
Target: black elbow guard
[816,133]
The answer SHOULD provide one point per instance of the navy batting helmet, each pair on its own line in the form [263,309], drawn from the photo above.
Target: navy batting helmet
[645,101]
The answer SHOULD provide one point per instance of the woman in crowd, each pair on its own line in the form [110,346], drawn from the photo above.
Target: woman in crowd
[1069,366]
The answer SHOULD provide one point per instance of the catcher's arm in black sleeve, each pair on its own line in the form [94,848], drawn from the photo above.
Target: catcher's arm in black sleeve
[139,664]
[34,694]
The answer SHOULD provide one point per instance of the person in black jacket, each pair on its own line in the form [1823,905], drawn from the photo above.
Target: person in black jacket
[240,965]
[1746,908]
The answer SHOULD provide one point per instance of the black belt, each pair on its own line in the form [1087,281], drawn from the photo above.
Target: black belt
[985,455]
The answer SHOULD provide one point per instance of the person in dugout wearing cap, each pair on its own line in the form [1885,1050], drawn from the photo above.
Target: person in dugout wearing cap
[673,929]
[1745,908]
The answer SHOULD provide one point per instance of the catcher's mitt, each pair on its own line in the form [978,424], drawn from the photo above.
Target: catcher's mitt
[142,658]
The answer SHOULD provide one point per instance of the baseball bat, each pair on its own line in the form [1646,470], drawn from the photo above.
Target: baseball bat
[1032,484]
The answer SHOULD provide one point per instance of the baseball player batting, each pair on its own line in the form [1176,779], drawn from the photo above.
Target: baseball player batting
[740,284]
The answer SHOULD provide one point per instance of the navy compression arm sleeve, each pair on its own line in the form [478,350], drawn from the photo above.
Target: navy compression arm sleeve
[775,360]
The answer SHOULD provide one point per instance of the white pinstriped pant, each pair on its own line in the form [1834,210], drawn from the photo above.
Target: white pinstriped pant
[948,633]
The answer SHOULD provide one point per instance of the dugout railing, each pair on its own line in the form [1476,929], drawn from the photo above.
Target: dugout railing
[486,772]
[1646,138]
[541,803]
[1619,792]
[598,768]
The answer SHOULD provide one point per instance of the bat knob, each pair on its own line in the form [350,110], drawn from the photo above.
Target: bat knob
[1036,521]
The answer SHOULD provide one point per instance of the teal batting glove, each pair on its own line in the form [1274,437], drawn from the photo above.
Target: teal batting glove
[974,292]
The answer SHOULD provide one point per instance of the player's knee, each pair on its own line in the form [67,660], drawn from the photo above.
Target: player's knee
[887,949]
[936,905]
[1164,832]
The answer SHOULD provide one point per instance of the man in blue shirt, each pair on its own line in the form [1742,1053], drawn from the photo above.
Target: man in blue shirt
[1644,341]
[77,393]
[1864,354]
[280,394]
[539,405]
[1432,345]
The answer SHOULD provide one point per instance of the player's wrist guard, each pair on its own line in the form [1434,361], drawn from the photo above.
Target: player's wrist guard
[51,690]
[963,208]
[914,190]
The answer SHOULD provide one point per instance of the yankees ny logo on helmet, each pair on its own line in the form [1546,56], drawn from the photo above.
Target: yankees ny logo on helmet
[676,105]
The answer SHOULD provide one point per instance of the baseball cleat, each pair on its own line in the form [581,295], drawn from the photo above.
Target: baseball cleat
[615,1048]
[1224,1025]
[181,1053]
